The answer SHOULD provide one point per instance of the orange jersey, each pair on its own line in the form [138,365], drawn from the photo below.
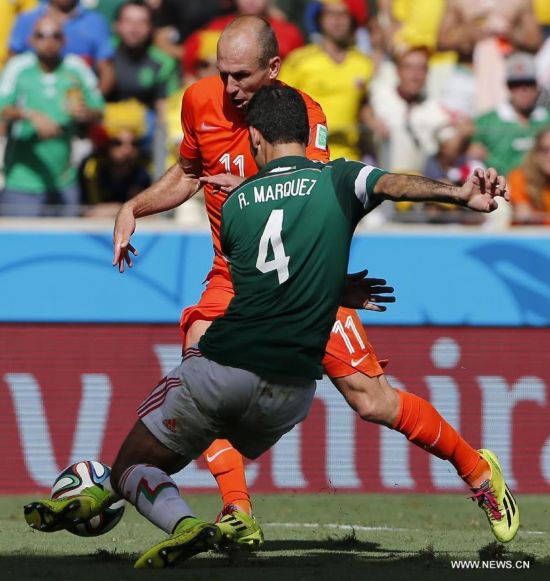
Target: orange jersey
[216,133]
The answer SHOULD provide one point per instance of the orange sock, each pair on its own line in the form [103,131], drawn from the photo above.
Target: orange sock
[227,467]
[423,425]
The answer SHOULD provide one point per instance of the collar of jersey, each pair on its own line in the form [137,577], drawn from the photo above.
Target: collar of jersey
[291,161]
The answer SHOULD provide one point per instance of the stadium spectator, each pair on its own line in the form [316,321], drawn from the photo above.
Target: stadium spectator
[368,37]
[529,184]
[504,135]
[9,9]
[403,120]
[483,33]
[178,19]
[116,171]
[143,72]
[43,95]
[288,35]
[452,165]
[85,31]
[335,74]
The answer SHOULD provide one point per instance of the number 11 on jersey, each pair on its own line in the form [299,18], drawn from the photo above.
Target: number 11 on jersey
[225,160]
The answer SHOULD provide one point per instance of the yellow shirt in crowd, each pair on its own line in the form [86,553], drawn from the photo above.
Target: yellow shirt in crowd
[542,11]
[340,89]
[420,21]
[9,10]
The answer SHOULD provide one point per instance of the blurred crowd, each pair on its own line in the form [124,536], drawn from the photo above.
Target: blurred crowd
[90,93]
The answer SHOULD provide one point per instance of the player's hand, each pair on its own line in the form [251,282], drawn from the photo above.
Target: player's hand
[362,292]
[125,224]
[481,189]
[223,181]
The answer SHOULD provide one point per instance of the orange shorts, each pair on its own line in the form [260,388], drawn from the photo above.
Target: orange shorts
[348,350]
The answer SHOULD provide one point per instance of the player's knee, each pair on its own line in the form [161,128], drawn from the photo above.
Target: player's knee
[372,398]
[369,408]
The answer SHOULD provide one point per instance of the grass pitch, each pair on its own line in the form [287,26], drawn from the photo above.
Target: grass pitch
[325,536]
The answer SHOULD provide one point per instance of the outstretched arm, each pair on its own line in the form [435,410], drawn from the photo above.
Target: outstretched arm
[174,188]
[478,193]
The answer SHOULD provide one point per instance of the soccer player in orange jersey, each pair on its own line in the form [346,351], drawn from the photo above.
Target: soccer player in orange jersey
[216,142]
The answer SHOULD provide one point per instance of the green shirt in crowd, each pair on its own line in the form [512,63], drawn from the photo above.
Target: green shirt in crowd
[286,233]
[37,165]
[505,138]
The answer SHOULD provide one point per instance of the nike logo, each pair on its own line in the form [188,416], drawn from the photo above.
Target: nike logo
[355,362]
[214,456]
[205,127]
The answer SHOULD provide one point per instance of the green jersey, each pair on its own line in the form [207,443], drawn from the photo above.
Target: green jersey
[505,138]
[286,233]
[37,165]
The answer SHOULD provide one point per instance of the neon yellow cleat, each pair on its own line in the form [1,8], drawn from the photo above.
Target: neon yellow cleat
[190,537]
[51,515]
[494,497]
[239,528]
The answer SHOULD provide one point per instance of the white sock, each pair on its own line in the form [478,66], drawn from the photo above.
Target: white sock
[155,495]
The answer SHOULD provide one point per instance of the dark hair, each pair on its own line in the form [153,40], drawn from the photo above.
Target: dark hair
[139,3]
[279,113]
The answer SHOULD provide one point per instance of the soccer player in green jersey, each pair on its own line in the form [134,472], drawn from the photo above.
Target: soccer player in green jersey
[286,233]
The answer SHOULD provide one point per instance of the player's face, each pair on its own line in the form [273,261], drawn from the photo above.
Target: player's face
[243,75]
[134,26]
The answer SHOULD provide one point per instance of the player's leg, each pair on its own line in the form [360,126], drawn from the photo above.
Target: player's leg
[223,461]
[352,365]
[141,475]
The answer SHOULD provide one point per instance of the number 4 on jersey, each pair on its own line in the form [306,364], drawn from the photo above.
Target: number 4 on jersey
[272,235]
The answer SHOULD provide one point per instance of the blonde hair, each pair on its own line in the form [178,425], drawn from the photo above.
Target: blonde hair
[536,180]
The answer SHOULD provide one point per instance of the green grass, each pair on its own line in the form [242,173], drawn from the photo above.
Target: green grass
[412,537]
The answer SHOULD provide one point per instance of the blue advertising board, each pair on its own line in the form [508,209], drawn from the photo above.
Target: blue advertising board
[451,279]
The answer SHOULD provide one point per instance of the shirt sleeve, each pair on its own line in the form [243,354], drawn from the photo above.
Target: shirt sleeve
[356,180]
[189,147]
[317,149]
[8,84]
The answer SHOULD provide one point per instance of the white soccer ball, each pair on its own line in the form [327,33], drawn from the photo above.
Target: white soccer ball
[82,475]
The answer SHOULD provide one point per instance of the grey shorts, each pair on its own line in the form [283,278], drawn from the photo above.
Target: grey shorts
[200,401]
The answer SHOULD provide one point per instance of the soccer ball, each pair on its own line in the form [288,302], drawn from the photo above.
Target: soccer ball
[81,475]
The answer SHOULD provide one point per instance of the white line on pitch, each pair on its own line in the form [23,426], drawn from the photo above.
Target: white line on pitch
[311,525]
